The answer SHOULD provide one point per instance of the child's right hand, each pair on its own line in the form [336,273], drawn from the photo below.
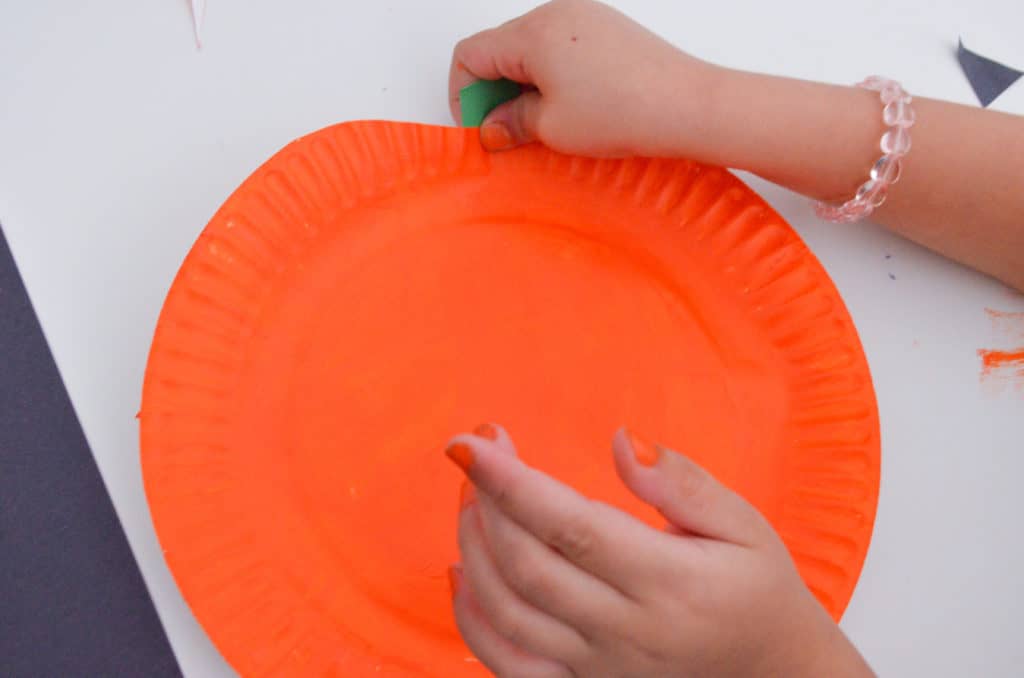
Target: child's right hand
[553,584]
[605,86]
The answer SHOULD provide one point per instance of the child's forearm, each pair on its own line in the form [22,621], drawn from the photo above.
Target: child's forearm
[962,187]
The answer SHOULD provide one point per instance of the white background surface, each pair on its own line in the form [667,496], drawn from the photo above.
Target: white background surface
[118,141]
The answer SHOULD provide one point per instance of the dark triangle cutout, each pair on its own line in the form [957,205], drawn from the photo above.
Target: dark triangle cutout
[72,600]
[988,78]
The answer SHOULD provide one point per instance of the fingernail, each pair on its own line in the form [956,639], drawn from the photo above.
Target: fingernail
[486,431]
[467,494]
[495,136]
[461,454]
[645,453]
[454,574]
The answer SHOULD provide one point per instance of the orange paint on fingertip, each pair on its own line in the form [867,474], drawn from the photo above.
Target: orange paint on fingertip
[486,431]
[645,453]
[461,454]
[495,136]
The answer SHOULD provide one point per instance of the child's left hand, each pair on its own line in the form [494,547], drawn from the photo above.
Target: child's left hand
[553,584]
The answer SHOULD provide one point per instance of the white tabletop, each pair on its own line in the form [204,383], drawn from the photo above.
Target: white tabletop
[118,141]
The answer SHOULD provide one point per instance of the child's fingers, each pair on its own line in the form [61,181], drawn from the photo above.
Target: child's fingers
[546,580]
[489,55]
[539,517]
[496,653]
[458,77]
[687,495]
[521,624]
[513,123]
[494,54]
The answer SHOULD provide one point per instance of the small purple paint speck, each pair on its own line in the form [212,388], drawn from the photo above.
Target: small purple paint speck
[892,277]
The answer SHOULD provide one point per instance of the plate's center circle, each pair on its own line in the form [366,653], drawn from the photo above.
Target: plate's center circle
[558,337]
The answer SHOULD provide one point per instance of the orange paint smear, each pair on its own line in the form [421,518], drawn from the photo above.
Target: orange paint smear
[1008,362]
[995,359]
[1009,315]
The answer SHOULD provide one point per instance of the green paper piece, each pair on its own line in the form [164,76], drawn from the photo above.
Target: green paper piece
[483,96]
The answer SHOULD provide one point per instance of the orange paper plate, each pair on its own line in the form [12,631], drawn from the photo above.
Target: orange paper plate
[377,287]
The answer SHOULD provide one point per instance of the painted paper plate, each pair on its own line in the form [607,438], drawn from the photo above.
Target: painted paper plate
[377,287]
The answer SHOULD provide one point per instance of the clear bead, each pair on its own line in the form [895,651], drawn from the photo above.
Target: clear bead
[896,142]
[878,196]
[887,169]
[826,212]
[909,116]
[891,92]
[850,213]
[871,194]
[874,82]
[898,113]
[866,189]
[893,112]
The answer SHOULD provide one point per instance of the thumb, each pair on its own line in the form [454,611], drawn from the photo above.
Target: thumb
[686,495]
[512,124]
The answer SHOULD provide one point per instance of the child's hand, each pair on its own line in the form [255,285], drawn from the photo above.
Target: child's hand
[553,584]
[601,81]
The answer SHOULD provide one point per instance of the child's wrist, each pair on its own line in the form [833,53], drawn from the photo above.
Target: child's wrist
[781,129]
[828,652]
[809,644]
[697,113]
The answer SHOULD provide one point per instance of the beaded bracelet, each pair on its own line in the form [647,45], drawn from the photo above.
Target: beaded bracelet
[898,117]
